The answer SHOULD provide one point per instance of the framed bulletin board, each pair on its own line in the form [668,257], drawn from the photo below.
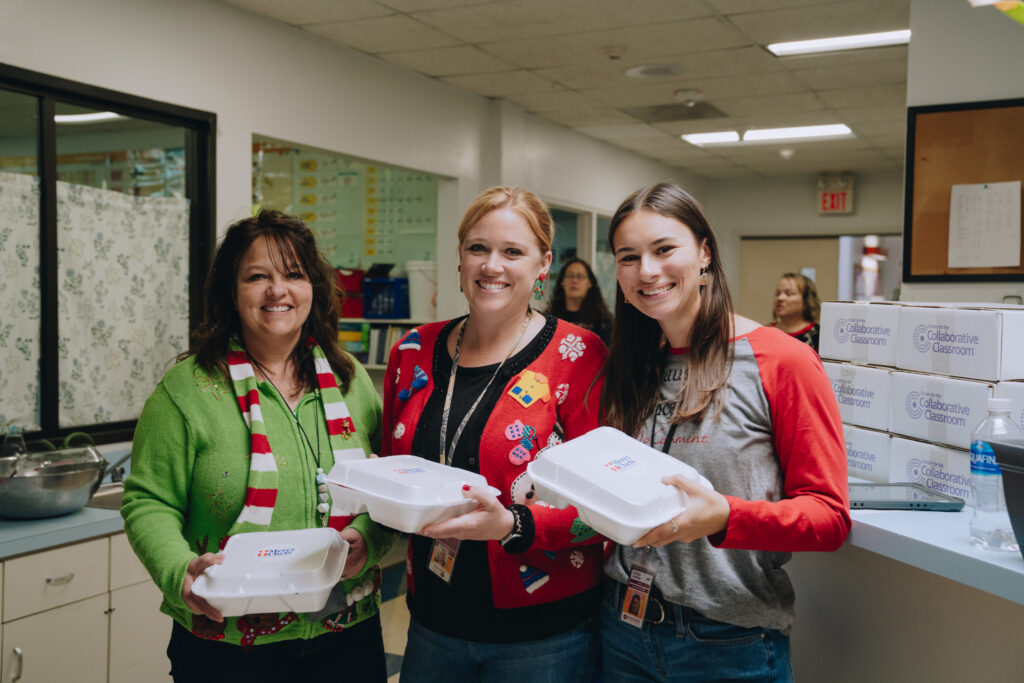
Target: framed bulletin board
[957,150]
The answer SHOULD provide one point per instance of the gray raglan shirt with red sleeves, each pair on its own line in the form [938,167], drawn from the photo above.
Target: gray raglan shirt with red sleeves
[776,452]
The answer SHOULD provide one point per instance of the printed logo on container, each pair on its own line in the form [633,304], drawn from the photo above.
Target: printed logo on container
[934,409]
[857,331]
[275,552]
[619,464]
[913,405]
[940,339]
[409,470]
[933,475]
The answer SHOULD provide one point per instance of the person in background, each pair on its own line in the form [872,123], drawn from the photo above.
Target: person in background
[753,411]
[577,299]
[797,308]
[486,392]
[236,438]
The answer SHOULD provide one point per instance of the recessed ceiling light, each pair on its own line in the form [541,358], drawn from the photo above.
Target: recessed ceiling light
[92,117]
[803,47]
[797,133]
[721,137]
[655,71]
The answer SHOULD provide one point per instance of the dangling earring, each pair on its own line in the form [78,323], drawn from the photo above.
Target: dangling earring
[460,279]
[538,286]
[703,277]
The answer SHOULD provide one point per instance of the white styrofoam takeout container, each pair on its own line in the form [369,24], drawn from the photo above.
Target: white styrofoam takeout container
[614,481]
[404,492]
[274,571]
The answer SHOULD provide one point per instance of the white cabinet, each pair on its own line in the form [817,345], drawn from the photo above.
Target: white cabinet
[139,631]
[68,643]
[86,612]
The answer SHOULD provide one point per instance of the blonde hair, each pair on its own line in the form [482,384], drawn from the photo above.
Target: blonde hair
[533,210]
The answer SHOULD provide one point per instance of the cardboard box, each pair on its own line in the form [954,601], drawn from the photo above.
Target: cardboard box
[978,343]
[857,331]
[862,393]
[1015,392]
[942,469]
[867,453]
[935,408]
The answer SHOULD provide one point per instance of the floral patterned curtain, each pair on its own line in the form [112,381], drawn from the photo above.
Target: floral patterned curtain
[123,311]
[19,300]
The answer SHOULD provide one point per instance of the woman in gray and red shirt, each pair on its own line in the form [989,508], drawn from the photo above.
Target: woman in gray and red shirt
[753,411]
[485,392]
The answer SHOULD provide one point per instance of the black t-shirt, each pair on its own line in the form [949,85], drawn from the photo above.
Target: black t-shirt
[602,327]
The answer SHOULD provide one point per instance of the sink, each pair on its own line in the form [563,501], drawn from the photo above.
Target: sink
[107,496]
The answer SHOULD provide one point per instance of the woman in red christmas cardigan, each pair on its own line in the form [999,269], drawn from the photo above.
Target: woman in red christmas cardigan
[486,392]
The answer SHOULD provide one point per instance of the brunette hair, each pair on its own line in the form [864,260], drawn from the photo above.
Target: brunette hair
[593,309]
[809,293]
[633,371]
[293,248]
[524,202]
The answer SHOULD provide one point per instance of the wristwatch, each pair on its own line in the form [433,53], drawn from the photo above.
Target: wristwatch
[517,527]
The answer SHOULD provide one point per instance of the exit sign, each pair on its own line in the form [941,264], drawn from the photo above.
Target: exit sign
[835,202]
[835,193]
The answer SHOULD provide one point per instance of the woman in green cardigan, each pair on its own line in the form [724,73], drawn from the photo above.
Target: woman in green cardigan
[236,438]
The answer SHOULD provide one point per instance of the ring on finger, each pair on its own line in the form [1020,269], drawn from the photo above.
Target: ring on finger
[675,527]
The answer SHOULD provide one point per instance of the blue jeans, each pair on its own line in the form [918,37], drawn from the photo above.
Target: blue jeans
[565,658]
[687,647]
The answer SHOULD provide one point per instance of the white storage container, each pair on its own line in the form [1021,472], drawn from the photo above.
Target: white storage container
[404,492]
[862,393]
[613,480]
[858,331]
[274,571]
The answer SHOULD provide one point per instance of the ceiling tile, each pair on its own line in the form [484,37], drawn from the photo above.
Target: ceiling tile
[640,43]
[519,19]
[822,20]
[888,112]
[384,34]
[504,84]
[770,105]
[740,6]
[640,94]
[409,6]
[552,101]
[592,116]
[623,132]
[855,97]
[854,75]
[875,129]
[303,12]
[448,61]
[600,73]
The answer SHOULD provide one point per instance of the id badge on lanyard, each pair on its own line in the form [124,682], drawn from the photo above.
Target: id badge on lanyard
[638,589]
[442,558]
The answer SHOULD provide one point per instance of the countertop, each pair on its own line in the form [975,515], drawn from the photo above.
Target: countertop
[938,542]
[933,541]
[18,537]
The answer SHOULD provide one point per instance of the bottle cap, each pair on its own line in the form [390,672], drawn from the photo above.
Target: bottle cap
[1000,404]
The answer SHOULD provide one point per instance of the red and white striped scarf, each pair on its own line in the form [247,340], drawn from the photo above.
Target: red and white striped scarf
[261,491]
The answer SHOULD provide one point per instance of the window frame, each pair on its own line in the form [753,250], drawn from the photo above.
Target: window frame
[200,189]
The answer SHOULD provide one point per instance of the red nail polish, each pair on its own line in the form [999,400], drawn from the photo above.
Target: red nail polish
[465,487]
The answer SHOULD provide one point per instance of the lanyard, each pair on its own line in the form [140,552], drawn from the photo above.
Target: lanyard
[671,431]
[445,454]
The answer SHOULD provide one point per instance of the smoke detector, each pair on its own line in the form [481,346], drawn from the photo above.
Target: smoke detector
[689,96]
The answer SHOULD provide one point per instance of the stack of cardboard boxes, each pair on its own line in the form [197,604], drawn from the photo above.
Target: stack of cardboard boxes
[912,381]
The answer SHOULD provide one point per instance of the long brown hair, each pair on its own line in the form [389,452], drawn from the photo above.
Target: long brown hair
[593,309]
[294,247]
[638,348]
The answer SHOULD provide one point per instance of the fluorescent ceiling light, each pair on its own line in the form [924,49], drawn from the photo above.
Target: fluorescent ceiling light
[803,47]
[796,133]
[701,139]
[86,118]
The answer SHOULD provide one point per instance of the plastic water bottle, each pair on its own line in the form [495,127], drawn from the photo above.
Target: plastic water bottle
[990,523]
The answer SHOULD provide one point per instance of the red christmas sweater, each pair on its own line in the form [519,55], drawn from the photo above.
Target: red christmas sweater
[556,386]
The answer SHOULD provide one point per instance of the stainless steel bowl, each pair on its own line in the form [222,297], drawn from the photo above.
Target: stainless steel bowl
[50,483]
